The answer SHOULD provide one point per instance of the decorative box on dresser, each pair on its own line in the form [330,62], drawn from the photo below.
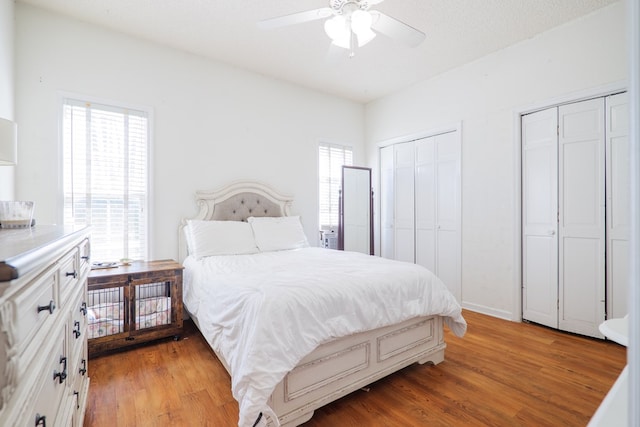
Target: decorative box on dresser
[43,341]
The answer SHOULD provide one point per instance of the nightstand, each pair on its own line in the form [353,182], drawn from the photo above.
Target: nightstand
[133,304]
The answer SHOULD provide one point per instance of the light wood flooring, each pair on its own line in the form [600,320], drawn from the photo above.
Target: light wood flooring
[500,374]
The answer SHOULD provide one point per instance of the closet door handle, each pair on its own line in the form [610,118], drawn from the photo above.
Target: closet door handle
[551,232]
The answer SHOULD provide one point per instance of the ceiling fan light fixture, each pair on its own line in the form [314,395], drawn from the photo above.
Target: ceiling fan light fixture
[361,21]
[337,28]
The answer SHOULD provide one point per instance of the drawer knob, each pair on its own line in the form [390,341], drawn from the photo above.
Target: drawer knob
[83,308]
[41,420]
[83,368]
[76,329]
[72,273]
[61,376]
[49,307]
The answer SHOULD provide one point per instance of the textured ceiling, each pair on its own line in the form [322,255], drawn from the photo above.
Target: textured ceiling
[458,31]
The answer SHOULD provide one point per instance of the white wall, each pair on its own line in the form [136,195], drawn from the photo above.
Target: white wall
[484,96]
[213,123]
[7,173]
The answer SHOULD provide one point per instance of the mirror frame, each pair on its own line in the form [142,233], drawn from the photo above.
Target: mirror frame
[341,210]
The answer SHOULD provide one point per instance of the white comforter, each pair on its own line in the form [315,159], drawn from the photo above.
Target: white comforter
[264,312]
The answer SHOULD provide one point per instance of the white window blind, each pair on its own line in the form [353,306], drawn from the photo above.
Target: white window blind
[105,177]
[331,159]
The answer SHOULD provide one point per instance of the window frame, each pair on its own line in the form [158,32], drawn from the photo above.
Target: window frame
[330,145]
[149,214]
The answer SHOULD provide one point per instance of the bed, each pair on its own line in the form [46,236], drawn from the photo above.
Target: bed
[296,326]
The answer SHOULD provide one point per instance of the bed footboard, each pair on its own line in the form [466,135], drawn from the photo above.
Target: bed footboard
[340,367]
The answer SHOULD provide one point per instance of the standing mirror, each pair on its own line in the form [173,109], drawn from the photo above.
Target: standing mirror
[355,227]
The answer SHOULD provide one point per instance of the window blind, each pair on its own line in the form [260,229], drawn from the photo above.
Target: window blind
[105,177]
[331,159]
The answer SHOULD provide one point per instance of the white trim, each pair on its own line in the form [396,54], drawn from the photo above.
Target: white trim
[633,353]
[518,112]
[104,101]
[577,96]
[516,312]
[489,311]
[420,135]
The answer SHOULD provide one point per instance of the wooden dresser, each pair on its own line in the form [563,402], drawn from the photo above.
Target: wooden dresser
[43,340]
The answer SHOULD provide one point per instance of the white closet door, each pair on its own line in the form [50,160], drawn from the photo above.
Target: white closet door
[540,217]
[448,212]
[581,196]
[425,201]
[387,202]
[618,208]
[404,222]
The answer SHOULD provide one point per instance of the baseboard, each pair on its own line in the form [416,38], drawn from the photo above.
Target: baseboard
[489,311]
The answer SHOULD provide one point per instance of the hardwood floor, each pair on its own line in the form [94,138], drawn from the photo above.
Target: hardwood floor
[500,374]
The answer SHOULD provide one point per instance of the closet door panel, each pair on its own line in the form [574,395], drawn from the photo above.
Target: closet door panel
[618,207]
[539,217]
[387,202]
[582,286]
[581,158]
[404,223]
[448,265]
[448,211]
[424,226]
[425,196]
[618,276]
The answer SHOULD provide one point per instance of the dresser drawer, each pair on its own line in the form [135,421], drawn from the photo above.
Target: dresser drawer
[80,386]
[85,255]
[36,308]
[53,383]
[69,270]
[77,329]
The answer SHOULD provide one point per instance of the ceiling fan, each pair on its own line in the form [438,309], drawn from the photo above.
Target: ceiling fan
[351,21]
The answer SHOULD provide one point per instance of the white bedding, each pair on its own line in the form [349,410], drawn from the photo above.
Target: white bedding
[264,312]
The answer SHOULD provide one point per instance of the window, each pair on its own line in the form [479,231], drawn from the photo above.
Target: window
[106,177]
[331,159]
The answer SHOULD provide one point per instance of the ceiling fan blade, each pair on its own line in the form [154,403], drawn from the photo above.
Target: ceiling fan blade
[295,18]
[397,30]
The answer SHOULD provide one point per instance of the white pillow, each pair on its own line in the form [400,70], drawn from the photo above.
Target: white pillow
[206,238]
[278,233]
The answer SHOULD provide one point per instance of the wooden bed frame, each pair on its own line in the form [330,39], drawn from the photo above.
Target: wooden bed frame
[338,367]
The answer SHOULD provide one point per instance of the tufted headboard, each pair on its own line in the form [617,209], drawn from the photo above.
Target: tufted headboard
[236,202]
